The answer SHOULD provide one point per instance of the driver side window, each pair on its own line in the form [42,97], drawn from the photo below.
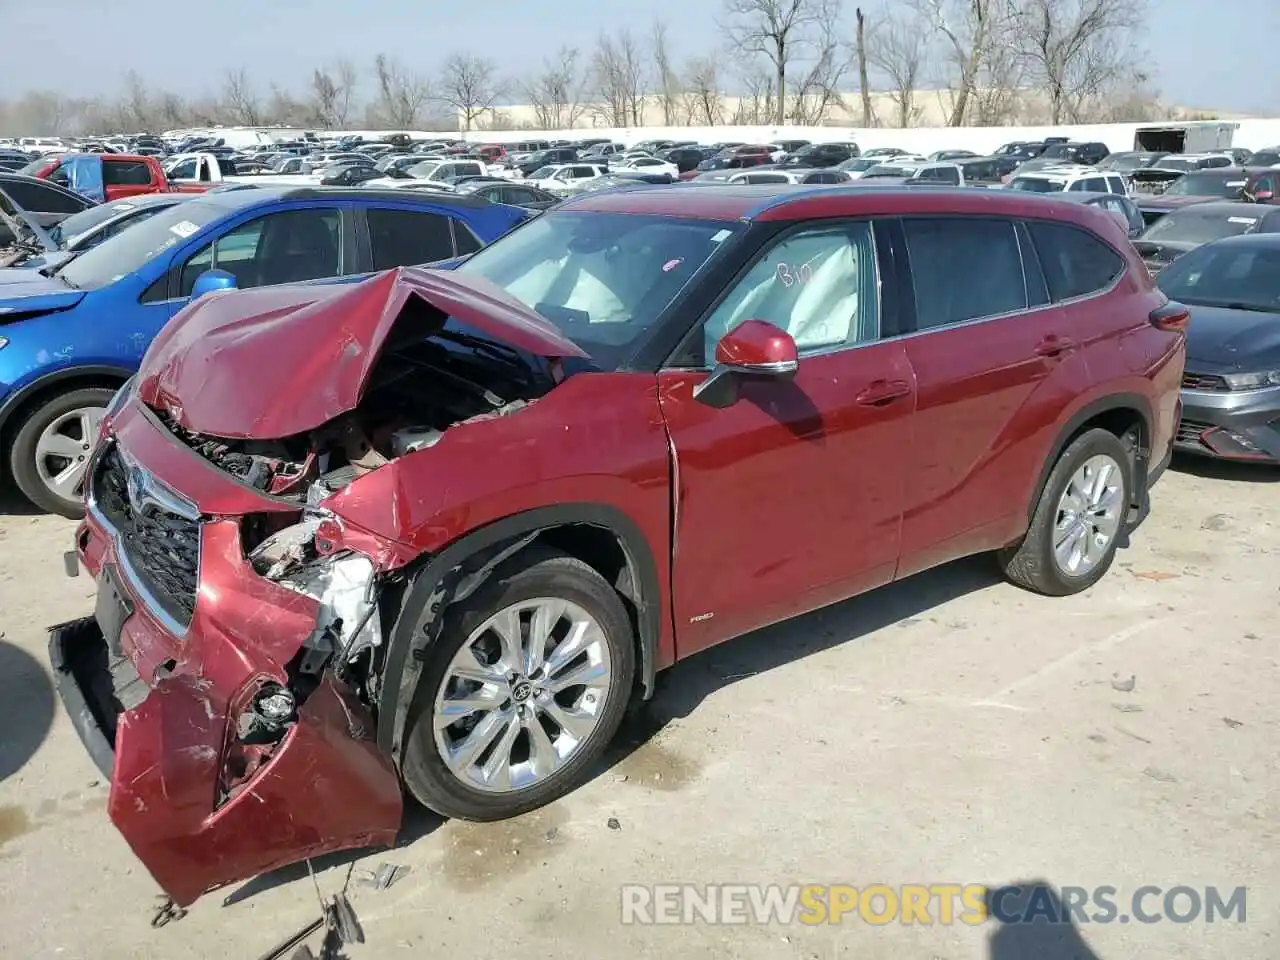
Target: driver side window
[186,170]
[817,283]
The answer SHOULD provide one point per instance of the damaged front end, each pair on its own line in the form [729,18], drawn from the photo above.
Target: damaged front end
[230,678]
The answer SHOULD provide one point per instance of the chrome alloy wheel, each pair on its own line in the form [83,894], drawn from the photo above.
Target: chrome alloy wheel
[62,451]
[522,694]
[1089,515]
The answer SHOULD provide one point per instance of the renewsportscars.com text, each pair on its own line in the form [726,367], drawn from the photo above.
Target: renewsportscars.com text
[927,904]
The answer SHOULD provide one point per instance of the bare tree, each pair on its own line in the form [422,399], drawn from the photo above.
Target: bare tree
[778,30]
[617,70]
[703,101]
[997,93]
[965,29]
[332,92]
[402,94]
[860,51]
[1076,48]
[757,103]
[897,51]
[818,89]
[240,99]
[668,79]
[135,104]
[471,86]
[555,92]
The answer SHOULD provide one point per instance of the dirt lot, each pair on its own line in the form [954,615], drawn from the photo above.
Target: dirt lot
[946,729]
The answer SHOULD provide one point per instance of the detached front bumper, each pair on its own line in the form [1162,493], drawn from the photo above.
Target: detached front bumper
[161,712]
[1231,425]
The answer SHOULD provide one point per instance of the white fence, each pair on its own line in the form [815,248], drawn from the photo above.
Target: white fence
[1252,134]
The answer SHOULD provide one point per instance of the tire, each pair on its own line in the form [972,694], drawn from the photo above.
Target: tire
[32,472]
[1032,562]
[436,784]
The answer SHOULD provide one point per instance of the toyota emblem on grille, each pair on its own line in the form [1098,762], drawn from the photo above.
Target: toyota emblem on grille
[135,482]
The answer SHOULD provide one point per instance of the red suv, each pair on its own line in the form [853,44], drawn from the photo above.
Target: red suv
[436,530]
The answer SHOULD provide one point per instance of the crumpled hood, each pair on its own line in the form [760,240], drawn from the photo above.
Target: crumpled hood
[278,361]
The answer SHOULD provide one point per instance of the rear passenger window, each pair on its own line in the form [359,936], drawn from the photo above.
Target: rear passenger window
[465,241]
[125,173]
[1075,263]
[964,269]
[402,238]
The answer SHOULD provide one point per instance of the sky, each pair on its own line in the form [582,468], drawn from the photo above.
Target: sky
[1210,55]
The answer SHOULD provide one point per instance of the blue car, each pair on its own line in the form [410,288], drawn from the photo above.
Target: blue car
[72,334]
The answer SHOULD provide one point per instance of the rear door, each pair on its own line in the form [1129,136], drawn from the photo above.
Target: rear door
[983,356]
[402,237]
[791,497]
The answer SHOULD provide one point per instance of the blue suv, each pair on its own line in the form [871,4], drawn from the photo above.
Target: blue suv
[72,334]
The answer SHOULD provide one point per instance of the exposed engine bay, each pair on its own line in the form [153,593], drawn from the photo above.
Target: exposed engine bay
[416,392]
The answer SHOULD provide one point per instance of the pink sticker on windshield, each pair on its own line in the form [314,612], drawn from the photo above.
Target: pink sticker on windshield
[672,264]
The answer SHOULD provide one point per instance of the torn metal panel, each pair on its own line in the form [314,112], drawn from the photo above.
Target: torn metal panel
[278,361]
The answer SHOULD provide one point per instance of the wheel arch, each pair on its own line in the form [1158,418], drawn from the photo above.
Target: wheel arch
[601,536]
[1118,413]
[68,378]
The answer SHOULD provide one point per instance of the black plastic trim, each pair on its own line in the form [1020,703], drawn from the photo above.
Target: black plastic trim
[402,667]
[1118,401]
[61,640]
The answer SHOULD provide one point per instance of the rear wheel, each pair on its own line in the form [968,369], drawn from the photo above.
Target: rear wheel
[49,458]
[1075,530]
[524,689]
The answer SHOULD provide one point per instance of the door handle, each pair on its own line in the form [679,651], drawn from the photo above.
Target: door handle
[881,392]
[1054,346]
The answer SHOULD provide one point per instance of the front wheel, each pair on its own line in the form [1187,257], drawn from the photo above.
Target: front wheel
[49,459]
[1075,530]
[522,692]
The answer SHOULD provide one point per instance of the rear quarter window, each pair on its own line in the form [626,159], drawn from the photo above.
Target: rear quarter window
[1075,262]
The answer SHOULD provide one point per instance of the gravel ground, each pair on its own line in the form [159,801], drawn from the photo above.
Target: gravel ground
[947,729]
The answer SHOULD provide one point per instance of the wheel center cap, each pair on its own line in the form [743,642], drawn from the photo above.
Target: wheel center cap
[521,691]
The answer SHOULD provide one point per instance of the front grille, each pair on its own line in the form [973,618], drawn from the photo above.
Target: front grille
[1189,431]
[162,548]
[1203,381]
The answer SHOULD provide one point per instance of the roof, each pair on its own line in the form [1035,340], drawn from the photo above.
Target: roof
[264,192]
[781,201]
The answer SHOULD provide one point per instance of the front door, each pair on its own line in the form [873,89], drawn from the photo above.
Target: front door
[791,498]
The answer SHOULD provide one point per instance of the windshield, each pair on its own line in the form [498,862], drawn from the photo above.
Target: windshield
[34,167]
[857,165]
[1126,162]
[422,170]
[1245,276]
[78,224]
[1265,158]
[1177,163]
[1207,185]
[132,249]
[1037,184]
[1194,226]
[602,278]
[542,173]
[889,170]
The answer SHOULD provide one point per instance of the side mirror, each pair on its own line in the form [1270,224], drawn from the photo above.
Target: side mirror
[754,349]
[212,281]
